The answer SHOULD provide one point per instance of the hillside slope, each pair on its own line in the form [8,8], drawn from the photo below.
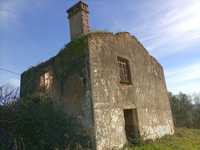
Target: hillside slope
[184,139]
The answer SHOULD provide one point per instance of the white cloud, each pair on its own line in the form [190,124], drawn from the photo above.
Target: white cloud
[8,12]
[188,88]
[14,82]
[186,73]
[12,10]
[186,78]
[172,29]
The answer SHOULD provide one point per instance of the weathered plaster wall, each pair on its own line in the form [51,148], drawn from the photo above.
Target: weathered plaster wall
[147,92]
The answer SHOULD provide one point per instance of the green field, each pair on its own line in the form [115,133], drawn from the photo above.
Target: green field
[183,139]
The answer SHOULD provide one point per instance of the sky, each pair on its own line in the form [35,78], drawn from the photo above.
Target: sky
[32,31]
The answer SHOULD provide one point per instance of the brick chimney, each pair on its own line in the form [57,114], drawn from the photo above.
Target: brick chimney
[78,19]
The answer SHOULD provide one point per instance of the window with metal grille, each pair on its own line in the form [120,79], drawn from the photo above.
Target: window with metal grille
[124,70]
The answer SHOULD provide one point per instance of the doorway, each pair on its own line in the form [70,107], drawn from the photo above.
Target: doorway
[131,125]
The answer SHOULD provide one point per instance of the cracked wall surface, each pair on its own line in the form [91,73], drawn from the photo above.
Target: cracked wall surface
[147,93]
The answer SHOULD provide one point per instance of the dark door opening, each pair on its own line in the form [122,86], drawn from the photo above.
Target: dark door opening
[131,125]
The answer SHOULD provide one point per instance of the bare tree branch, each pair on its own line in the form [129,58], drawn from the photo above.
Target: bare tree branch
[8,94]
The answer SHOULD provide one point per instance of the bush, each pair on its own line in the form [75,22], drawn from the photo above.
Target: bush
[38,124]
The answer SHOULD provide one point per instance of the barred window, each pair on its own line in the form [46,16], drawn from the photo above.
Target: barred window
[124,70]
[46,81]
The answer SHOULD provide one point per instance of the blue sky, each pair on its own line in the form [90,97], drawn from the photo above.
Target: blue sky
[32,31]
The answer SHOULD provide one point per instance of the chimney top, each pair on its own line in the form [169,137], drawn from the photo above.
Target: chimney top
[80,6]
[78,19]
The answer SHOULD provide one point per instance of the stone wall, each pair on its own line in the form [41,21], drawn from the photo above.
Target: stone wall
[147,93]
[86,82]
[71,84]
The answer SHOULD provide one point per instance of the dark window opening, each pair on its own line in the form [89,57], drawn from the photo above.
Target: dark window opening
[124,70]
[131,125]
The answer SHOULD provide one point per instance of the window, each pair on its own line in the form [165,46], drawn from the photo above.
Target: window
[46,81]
[124,69]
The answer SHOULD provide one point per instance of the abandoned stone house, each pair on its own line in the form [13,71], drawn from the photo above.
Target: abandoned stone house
[108,81]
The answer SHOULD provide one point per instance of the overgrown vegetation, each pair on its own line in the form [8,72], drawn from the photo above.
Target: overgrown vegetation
[185,110]
[38,124]
[183,139]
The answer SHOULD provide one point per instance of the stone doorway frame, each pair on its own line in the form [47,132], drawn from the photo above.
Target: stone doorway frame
[131,125]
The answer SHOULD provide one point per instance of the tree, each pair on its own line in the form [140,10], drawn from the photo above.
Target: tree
[8,94]
[182,110]
[185,112]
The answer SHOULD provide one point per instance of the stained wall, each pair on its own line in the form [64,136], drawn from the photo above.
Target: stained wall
[147,93]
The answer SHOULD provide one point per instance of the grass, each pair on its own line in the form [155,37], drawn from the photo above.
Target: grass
[183,139]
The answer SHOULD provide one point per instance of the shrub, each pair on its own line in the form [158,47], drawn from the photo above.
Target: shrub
[38,124]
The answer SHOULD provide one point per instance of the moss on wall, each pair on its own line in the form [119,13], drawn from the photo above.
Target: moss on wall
[71,59]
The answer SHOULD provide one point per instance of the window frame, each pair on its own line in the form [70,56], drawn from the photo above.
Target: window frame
[124,70]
